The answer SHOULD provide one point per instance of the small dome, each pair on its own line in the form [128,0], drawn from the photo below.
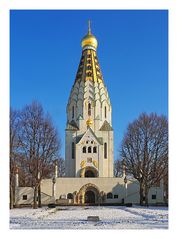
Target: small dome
[89,39]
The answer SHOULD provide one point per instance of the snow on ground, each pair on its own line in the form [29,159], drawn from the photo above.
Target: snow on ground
[111,217]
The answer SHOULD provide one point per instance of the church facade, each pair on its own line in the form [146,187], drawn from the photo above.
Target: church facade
[89,150]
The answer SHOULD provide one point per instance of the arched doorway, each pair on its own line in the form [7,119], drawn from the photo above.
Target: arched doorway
[89,197]
[89,174]
[88,194]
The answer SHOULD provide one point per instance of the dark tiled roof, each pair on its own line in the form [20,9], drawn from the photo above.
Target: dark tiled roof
[106,127]
[78,138]
[72,126]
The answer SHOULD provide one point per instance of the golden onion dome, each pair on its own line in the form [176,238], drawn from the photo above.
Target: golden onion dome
[89,122]
[89,40]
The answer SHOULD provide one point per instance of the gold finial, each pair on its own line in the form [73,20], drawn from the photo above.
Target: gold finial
[89,27]
[89,40]
[89,122]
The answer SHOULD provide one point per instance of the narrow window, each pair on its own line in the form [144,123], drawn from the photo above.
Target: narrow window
[72,112]
[94,150]
[89,109]
[84,149]
[109,195]
[115,196]
[89,149]
[105,150]
[73,150]
[24,197]
[69,196]
[153,196]
[105,112]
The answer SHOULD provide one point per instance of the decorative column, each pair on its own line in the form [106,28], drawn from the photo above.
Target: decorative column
[83,197]
[54,180]
[123,169]
[75,197]
[17,177]
[54,188]
[125,182]
[56,169]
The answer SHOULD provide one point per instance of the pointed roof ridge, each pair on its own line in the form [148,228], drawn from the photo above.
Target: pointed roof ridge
[72,125]
[106,126]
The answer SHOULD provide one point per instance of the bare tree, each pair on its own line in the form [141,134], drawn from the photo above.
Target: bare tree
[14,145]
[145,151]
[118,168]
[61,167]
[39,145]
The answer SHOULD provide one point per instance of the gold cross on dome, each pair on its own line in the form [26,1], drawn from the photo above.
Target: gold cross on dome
[89,27]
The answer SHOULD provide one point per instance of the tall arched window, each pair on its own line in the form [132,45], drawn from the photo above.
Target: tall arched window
[84,149]
[89,149]
[94,149]
[105,112]
[109,195]
[73,150]
[89,109]
[72,112]
[105,150]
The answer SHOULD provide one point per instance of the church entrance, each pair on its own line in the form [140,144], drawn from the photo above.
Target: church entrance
[88,194]
[89,197]
[89,174]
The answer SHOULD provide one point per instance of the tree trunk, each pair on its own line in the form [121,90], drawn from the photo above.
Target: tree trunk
[11,197]
[35,197]
[39,195]
[141,193]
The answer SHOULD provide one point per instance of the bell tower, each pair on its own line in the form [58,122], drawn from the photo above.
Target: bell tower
[89,133]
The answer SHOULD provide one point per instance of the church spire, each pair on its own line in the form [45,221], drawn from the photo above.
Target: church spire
[89,41]
[89,68]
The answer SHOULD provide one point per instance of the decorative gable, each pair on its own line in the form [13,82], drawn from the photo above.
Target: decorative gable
[90,136]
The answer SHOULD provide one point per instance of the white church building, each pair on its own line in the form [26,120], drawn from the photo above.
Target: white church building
[89,149]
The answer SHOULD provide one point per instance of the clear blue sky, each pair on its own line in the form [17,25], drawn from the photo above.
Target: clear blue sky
[133,54]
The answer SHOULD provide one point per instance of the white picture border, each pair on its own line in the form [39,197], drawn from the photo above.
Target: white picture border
[5,7]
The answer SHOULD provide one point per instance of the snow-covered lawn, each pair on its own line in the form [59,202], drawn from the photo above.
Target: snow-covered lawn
[111,217]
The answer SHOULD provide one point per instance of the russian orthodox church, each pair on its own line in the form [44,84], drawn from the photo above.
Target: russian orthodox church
[88,146]
[89,132]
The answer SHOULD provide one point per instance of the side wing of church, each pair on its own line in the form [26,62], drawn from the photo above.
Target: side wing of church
[88,146]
